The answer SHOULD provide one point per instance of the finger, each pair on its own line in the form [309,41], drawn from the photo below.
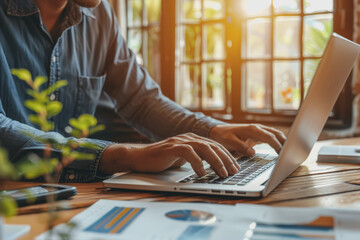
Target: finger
[230,165]
[187,153]
[227,162]
[279,135]
[216,145]
[250,142]
[228,154]
[267,137]
[237,154]
[241,147]
[209,155]
[178,163]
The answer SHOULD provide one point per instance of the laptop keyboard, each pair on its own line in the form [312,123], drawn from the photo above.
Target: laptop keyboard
[250,169]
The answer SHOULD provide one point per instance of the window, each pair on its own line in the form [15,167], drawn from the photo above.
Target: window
[143,34]
[239,60]
[200,62]
[281,46]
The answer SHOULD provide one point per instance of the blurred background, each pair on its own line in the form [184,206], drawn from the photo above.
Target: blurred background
[242,60]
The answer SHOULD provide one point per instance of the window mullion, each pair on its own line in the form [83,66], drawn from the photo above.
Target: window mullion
[227,96]
[234,27]
[302,82]
[167,39]
[201,85]
[271,70]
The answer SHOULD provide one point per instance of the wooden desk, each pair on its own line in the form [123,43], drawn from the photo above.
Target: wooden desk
[312,184]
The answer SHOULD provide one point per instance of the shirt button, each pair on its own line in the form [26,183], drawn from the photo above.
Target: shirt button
[54,59]
[52,97]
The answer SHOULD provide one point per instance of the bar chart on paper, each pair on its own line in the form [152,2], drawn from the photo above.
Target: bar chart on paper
[115,221]
[321,228]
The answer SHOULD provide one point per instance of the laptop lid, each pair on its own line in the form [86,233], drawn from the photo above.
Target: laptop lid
[327,83]
[333,70]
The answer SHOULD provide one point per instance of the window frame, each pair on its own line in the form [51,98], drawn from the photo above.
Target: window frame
[143,28]
[342,23]
[342,111]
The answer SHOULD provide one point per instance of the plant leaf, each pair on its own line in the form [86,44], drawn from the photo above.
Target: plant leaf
[73,143]
[87,119]
[51,164]
[76,133]
[89,145]
[66,150]
[35,106]
[30,92]
[82,156]
[96,129]
[33,166]
[22,74]
[7,170]
[35,119]
[73,132]
[55,86]
[40,97]
[77,124]
[49,126]
[39,80]
[54,108]
[8,206]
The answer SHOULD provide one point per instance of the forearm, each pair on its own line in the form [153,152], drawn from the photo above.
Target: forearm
[140,102]
[115,159]
[161,118]
[20,140]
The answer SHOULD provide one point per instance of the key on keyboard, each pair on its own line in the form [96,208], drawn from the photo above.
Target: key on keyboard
[250,169]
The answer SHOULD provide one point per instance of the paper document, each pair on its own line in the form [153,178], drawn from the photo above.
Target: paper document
[12,231]
[108,219]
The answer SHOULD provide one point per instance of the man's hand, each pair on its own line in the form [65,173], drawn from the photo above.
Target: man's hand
[240,138]
[176,151]
[172,152]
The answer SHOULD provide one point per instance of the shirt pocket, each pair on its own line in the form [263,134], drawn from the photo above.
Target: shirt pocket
[88,93]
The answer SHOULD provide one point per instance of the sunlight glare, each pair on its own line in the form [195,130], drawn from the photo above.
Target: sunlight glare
[317,6]
[255,7]
[214,5]
[286,5]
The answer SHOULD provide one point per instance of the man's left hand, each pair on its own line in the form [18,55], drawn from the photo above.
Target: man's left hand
[240,138]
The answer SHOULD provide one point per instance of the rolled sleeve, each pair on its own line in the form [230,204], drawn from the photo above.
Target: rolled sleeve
[86,170]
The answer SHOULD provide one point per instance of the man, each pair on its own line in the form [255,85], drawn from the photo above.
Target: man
[79,40]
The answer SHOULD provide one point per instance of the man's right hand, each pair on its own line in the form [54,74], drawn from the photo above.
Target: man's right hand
[169,153]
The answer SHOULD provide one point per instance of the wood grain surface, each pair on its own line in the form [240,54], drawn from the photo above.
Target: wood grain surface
[312,184]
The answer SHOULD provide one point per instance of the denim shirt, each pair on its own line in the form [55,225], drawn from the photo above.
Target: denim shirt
[93,57]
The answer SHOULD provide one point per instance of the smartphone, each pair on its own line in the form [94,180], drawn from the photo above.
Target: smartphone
[39,194]
[339,154]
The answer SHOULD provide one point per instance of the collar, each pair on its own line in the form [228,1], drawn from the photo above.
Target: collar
[22,8]
[87,12]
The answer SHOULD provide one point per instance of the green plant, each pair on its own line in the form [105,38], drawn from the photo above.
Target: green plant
[50,167]
[8,206]
[44,108]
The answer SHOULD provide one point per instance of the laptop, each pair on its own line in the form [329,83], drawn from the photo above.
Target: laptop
[260,174]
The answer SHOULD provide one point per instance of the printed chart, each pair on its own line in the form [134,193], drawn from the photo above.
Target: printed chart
[201,232]
[320,229]
[115,221]
[192,216]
